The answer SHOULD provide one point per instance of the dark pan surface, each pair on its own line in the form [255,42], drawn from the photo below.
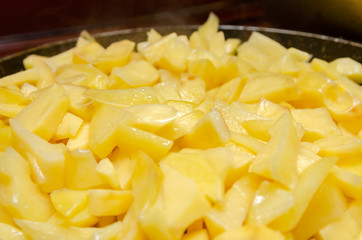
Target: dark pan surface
[324,47]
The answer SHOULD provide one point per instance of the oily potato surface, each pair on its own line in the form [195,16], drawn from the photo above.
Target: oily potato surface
[181,137]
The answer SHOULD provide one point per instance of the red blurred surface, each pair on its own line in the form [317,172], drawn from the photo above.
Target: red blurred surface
[30,23]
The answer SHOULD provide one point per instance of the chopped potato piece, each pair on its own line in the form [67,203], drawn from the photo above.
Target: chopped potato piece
[115,55]
[277,161]
[133,75]
[45,113]
[349,67]
[21,197]
[47,160]
[104,202]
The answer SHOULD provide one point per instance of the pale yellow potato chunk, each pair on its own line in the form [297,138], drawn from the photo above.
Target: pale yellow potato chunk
[135,74]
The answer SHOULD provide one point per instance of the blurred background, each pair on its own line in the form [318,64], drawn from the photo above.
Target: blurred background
[25,24]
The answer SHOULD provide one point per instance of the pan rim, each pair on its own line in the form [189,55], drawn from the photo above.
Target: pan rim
[190,27]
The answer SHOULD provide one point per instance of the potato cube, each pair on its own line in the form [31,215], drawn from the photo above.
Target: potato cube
[130,139]
[133,75]
[192,89]
[253,145]
[116,55]
[277,160]
[230,91]
[153,36]
[11,232]
[348,227]
[184,202]
[221,159]
[167,91]
[29,76]
[231,44]
[46,76]
[344,107]
[68,127]
[232,211]
[7,171]
[339,146]
[80,141]
[146,182]
[311,85]
[322,65]
[124,166]
[131,229]
[307,155]
[153,222]
[269,110]
[44,114]
[69,202]
[252,57]
[349,67]
[13,96]
[241,165]
[180,126]
[47,160]
[80,171]
[82,219]
[316,122]
[272,86]
[217,44]
[268,46]
[28,62]
[154,51]
[270,202]
[102,128]
[350,86]
[234,115]
[148,204]
[206,70]
[327,206]
[82,75]
[230,69]
[209,28]
[20,197]
[289,61]
[79,105]
[105,202]
[182,107]
[258,128]
[175,57]
[109,173]
[309,182]
[53,62]
[209,131]
[195,166]
[87,53]
[349,182]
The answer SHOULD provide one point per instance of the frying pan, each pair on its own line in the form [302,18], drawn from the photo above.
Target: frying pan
[320,46]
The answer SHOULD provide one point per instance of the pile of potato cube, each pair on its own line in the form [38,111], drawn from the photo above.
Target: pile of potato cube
[181,137]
